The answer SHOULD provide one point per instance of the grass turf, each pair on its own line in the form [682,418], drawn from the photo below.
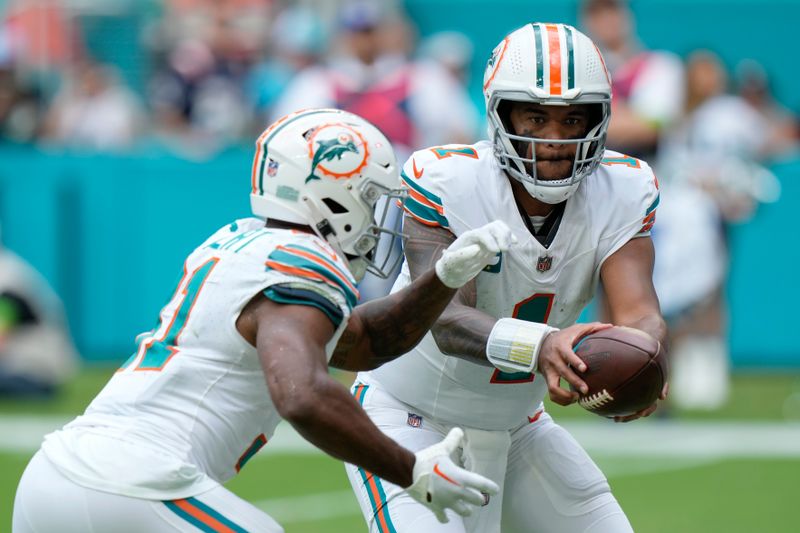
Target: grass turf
[741,495]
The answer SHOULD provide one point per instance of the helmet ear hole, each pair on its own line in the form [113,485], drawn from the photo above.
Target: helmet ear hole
[348,228]
[335,207]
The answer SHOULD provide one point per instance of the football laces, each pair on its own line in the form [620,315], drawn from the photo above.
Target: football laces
[595,400]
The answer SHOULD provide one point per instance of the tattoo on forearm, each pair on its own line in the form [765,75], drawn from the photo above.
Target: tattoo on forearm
[461,330]
[346,343]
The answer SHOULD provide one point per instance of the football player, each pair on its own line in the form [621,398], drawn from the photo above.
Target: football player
[581,214]
[246,340]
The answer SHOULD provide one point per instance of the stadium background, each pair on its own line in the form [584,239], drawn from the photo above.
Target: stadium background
[110,231]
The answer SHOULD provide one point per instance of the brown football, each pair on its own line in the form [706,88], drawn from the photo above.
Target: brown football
[626,370]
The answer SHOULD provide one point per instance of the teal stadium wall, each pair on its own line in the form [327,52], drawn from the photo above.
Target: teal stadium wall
[111,233]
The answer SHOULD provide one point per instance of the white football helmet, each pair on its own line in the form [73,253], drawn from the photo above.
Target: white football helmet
[327,168]
[548,64]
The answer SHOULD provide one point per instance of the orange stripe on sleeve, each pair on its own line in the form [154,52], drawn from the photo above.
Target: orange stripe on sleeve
[318,260]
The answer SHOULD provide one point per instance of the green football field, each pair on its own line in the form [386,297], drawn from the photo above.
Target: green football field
[737,470]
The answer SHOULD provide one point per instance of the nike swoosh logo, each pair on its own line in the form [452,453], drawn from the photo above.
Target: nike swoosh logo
[417,173]
[441,474]
[535,417]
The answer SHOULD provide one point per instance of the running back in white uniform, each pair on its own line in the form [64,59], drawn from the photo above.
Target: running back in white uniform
[461,187]
[191,406]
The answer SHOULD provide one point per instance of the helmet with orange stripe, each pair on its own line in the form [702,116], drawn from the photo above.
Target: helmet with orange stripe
[327,169]
[543,65]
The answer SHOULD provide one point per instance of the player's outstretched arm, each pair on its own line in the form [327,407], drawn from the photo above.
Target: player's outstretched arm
[291,343]
[381,330]
[627,277]
[461,330]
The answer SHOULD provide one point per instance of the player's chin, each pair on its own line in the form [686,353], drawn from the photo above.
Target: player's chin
[552,170]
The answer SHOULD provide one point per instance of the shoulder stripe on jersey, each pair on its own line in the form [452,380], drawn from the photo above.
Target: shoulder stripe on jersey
[313,255]
[284,294]
[299,263]
[424,214]
[202,516]
[420,190]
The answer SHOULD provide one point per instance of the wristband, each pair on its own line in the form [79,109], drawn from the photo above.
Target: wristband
[514,345]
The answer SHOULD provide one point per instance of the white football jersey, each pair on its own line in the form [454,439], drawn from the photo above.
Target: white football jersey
[191,406]
[461,188]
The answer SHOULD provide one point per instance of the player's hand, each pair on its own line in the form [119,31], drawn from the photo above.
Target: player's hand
[440,484]
[647,411]
[471,252]
[557,359]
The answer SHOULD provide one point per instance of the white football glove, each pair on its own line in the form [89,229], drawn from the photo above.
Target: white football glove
[471,252]
[440,484]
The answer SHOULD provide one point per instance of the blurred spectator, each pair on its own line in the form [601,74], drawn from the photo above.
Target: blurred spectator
[36,351]
[414,104]
[781,134]
[20,108]
[719,142]
[198,96]
[297,41]
[94,110]
[647,85]
[452,50]
[711,177]
[198,105]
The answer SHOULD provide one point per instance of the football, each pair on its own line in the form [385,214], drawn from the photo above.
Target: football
[626,371]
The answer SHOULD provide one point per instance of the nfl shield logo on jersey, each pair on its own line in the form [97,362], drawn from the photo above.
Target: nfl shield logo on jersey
[414,421]
[544,263]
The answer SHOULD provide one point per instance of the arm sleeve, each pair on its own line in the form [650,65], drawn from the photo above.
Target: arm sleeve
[287,294]
[637,197]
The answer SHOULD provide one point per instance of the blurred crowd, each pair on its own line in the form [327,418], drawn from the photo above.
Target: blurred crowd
[219,70]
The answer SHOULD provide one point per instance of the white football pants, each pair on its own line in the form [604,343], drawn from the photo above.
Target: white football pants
[549,484]
[47,501]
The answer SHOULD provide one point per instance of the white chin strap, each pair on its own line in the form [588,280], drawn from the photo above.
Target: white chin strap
[550,195]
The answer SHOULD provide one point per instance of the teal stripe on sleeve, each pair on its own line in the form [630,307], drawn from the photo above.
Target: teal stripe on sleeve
[285,258]
[294,296]
[426,213]
[327,260]
[411,184]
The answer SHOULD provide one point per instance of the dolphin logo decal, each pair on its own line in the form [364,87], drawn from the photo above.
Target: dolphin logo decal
[329,149]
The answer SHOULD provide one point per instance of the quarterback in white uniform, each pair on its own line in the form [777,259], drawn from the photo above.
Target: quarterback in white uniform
[260,312]
[581,214]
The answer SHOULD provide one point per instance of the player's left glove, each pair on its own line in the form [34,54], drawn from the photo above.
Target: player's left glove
[440,484]
[471,252]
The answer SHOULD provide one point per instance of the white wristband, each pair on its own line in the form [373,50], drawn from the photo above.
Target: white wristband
[514,345]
